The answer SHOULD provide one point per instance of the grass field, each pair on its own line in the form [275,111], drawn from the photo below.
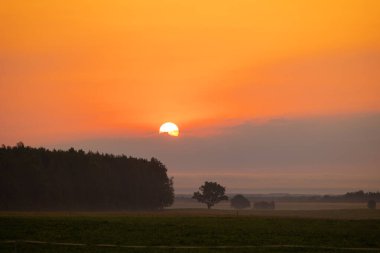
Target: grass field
[192,231]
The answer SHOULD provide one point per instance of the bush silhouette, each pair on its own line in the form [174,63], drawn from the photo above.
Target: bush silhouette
[371,204]
[240,202]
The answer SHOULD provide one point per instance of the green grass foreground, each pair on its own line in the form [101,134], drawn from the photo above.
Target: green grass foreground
[186,229]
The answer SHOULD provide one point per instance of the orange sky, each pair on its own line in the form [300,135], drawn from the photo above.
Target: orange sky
[70,69]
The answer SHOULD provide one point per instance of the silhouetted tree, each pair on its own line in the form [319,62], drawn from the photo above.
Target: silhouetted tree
[371,204]
[40,179]
[210,193]
[20,144]
[240,202]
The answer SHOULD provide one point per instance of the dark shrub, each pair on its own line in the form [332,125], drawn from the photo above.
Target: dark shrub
[371,204]
[240,202]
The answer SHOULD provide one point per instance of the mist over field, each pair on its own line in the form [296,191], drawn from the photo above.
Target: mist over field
[324,155]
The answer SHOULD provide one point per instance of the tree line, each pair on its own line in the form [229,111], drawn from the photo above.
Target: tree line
[211,193]
[41,179]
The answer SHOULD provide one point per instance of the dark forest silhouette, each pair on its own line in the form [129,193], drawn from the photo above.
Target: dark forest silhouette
[40,179]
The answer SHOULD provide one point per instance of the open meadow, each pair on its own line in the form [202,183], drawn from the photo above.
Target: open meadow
[192,230]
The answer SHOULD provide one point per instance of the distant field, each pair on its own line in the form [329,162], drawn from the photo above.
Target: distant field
[192,231]
[280,205]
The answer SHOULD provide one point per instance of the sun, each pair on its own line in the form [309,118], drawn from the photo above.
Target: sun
[169,128]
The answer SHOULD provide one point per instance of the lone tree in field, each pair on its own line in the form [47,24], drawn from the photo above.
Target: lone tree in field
[240,202]
[210,193]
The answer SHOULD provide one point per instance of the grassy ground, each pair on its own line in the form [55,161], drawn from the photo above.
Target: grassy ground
[190,228]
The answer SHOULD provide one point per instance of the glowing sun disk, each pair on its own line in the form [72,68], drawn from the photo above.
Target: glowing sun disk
[169,128]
